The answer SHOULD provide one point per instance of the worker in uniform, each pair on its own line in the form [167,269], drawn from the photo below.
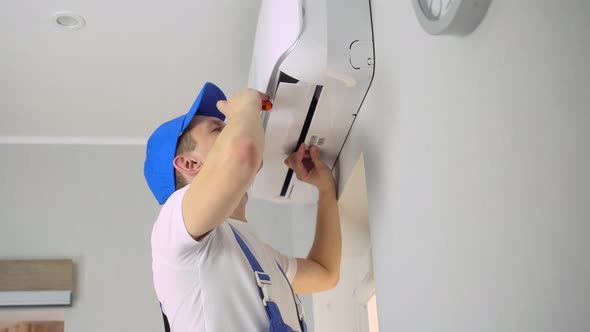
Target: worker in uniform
[211,272]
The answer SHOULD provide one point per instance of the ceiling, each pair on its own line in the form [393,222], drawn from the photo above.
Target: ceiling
[135,65]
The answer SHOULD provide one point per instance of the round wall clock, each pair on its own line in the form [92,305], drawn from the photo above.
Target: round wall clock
[450,17]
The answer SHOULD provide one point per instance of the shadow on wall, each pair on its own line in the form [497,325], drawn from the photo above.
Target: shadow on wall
[344,308]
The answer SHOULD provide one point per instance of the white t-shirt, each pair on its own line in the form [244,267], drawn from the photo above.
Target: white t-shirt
[208,285]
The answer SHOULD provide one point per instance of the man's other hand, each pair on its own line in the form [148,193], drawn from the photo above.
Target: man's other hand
[309,168]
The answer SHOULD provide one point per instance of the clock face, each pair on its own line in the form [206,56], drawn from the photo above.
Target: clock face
[435,9]
[450,17]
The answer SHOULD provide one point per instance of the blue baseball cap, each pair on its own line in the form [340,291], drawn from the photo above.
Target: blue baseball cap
[161,146]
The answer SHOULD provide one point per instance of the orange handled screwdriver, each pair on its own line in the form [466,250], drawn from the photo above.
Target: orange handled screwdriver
[266,105]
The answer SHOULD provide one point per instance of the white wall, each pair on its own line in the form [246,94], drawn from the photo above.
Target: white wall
[336,309]
[478,170]
[303,230]
[91,204]
[272,223]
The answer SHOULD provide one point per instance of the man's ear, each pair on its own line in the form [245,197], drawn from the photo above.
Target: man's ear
[187,165]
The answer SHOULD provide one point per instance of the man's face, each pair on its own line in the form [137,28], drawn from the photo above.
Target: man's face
[205,133]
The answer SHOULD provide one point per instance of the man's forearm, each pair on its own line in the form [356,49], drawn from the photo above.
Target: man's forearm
[231,166]
[327,245]
[244,126]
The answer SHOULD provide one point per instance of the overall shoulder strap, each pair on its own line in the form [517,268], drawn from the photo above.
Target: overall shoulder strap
[251,259]
[262,279]
[264,283]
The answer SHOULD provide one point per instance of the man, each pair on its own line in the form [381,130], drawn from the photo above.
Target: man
[211,272]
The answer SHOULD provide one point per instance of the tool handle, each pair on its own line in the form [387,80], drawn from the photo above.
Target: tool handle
[266,105]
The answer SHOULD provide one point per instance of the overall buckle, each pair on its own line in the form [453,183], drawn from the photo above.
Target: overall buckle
[263,281]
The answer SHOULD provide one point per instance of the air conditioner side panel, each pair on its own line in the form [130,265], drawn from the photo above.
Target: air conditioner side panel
[280,24]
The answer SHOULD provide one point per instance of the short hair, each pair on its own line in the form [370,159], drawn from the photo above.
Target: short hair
[185,143]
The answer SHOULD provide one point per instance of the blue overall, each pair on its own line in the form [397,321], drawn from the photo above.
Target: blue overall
[276,323]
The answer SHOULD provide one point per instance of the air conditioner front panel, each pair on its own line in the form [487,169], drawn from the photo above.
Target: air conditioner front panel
[330,64]
[282,131]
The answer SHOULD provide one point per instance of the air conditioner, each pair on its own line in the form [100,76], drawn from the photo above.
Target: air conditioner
[315,59]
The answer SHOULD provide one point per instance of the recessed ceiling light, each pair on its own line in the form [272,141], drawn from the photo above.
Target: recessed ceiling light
[69,21]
